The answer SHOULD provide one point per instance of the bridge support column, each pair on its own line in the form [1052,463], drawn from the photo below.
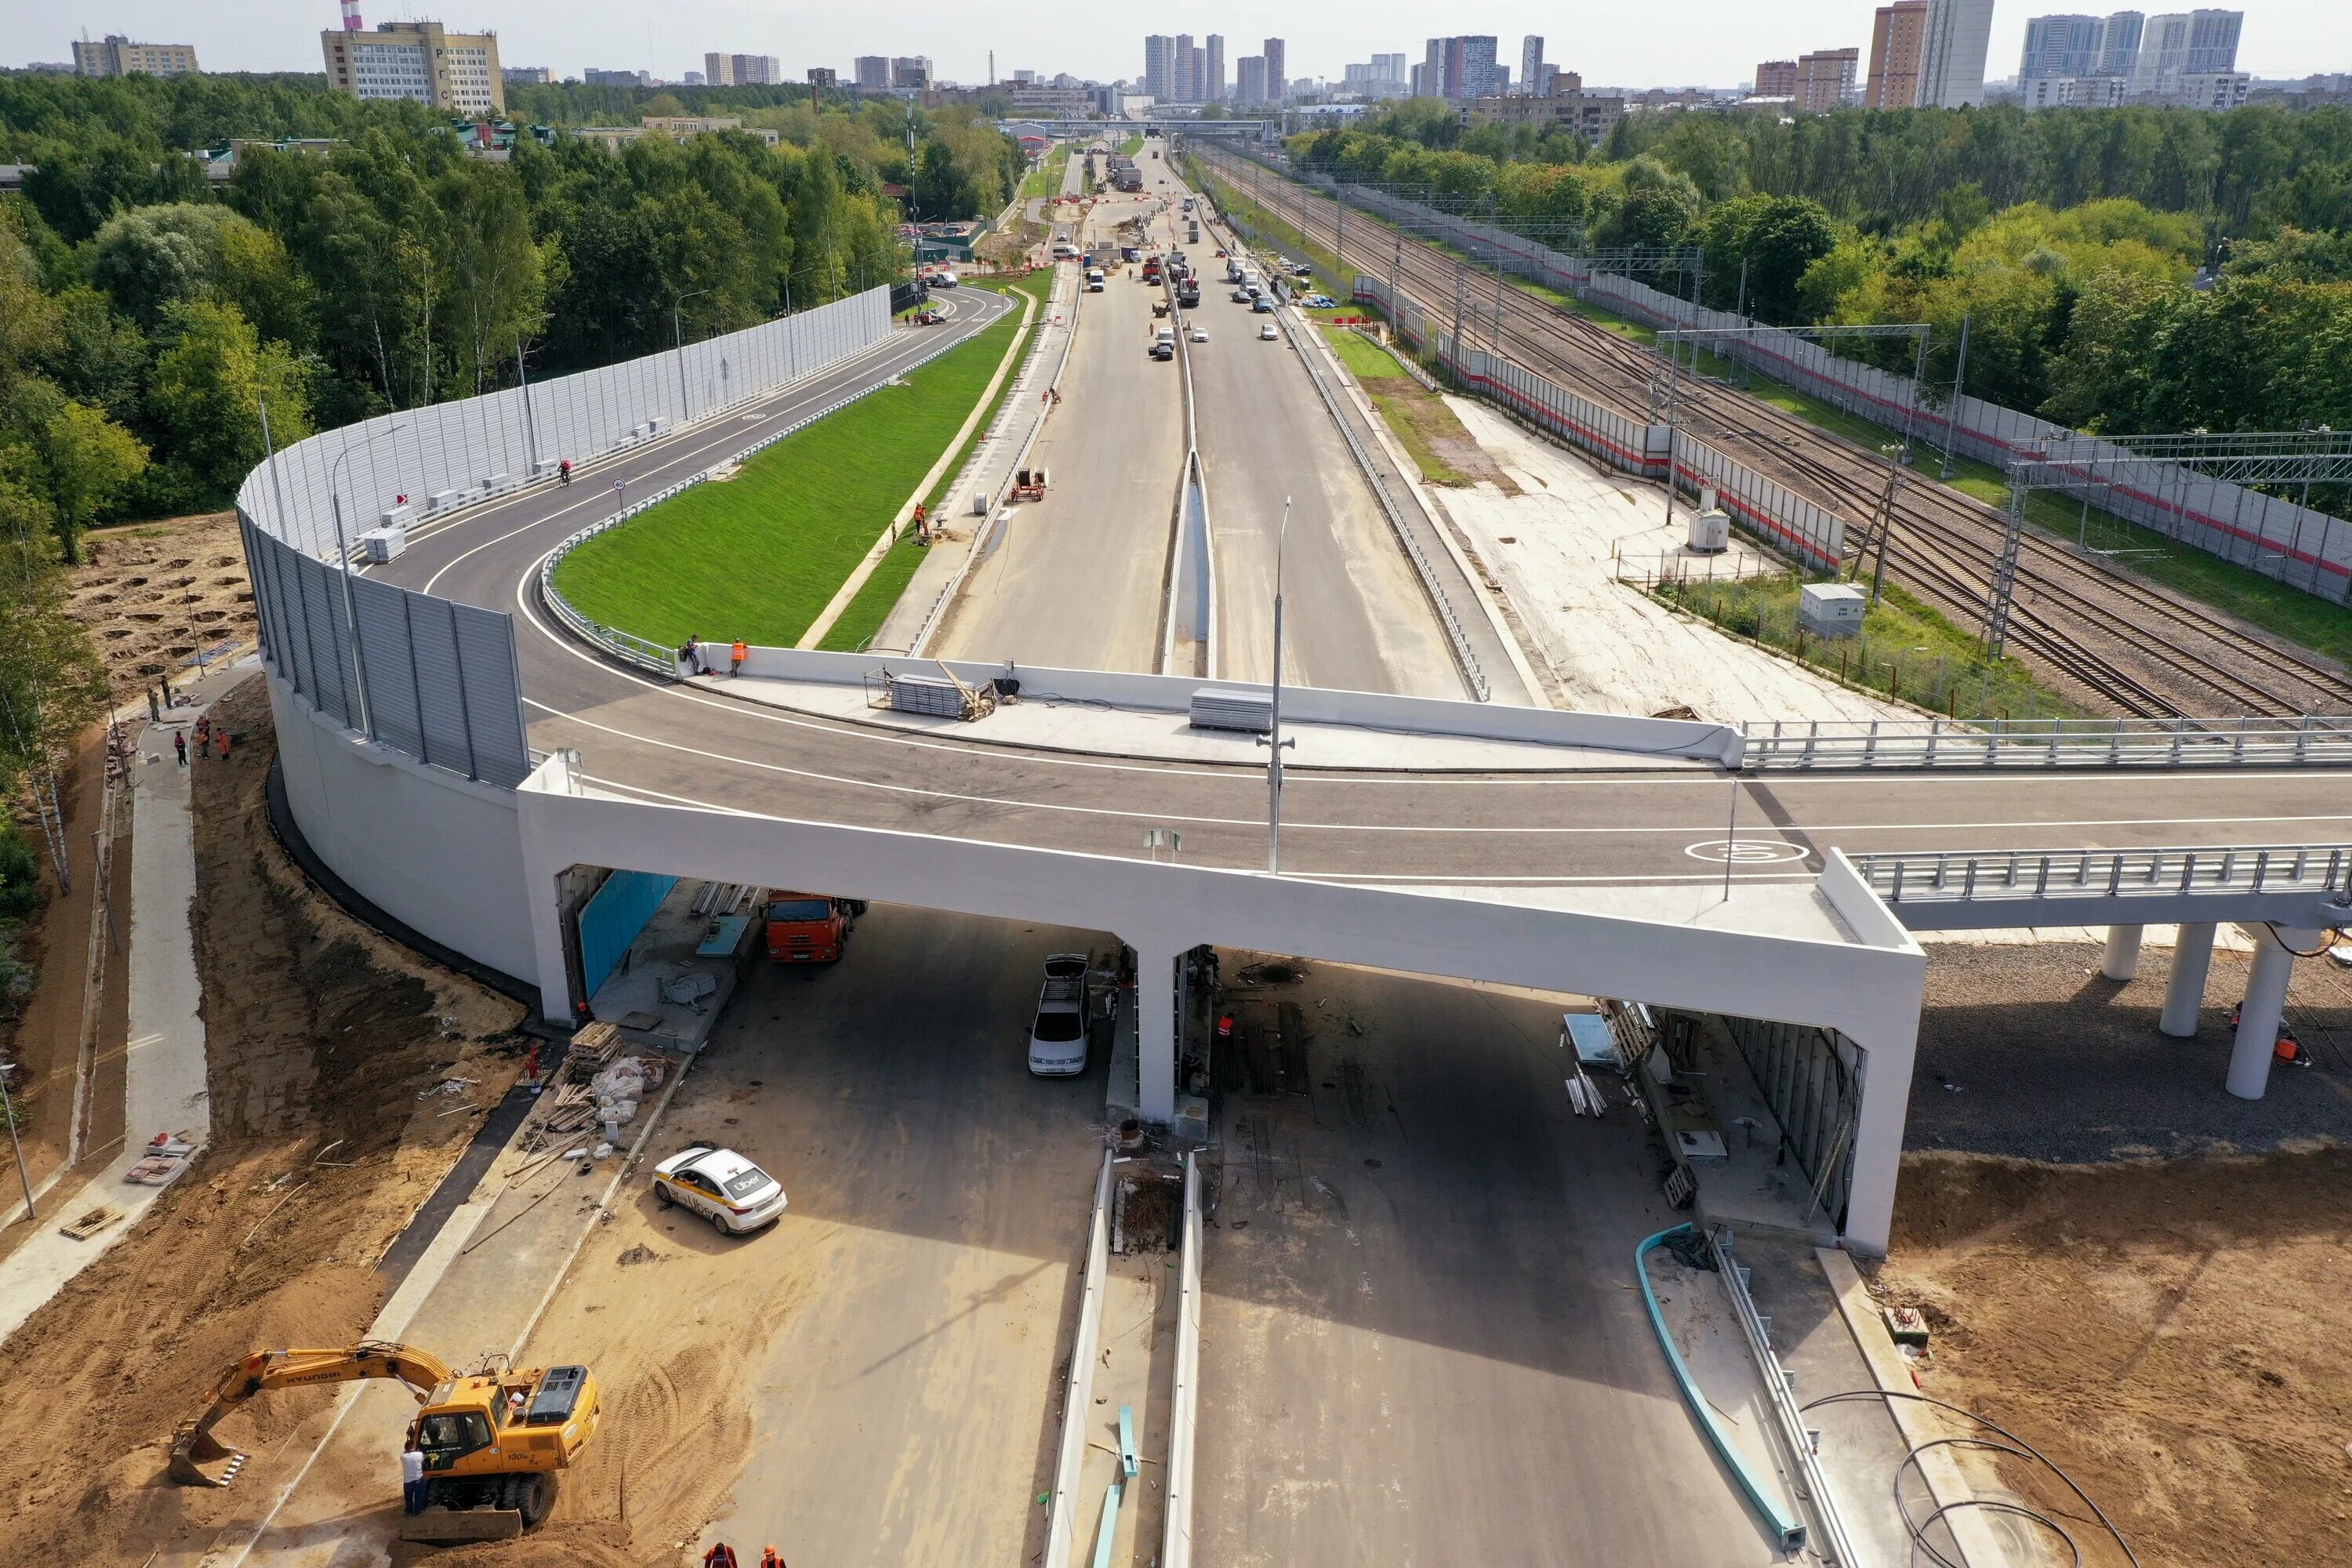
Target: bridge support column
[2122,959]
[2184,994]
[2265,1005]
[1885,1105]
[1155,1029]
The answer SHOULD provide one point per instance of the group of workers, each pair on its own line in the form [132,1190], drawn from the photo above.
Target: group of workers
[207,737]
[698,662]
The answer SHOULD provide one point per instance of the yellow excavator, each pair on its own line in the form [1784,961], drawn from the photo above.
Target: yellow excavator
[492,1439]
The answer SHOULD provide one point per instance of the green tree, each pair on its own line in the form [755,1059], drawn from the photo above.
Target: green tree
[90,462]
[205,396]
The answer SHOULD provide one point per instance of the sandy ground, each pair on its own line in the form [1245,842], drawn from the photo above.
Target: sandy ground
[2170,1333]
[320,1036]
[1555,547]
[155,595]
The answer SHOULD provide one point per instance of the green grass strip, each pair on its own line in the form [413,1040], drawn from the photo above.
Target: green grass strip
[880,593]
[1905,649]
[760,555]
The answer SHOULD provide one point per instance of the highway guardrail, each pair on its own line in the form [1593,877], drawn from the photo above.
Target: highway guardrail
[1960,876]
[2313,741]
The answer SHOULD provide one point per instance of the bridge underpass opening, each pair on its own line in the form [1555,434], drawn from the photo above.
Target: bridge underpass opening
[1418,1304]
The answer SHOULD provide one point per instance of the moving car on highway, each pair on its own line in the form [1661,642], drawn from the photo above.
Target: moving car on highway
[1267,333]
[723,1186]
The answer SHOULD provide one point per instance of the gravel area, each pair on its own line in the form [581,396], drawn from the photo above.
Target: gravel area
[2027,1051]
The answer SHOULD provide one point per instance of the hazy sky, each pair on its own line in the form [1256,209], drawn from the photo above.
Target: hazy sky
[1662,42]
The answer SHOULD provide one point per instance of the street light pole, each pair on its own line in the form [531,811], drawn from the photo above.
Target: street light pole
[678,341]
[1274,743]
[344,564]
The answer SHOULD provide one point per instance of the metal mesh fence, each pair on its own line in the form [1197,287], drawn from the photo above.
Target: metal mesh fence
[1786,522]
[435,679]
[2270,534]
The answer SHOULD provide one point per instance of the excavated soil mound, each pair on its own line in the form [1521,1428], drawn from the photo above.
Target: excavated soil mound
[156,594]
[2169,1332]
[320,1038]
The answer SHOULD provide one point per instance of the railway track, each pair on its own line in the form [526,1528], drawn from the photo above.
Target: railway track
[2114,640]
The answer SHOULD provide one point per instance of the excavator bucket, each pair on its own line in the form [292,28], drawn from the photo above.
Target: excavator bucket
[455,1526]
[201,1459]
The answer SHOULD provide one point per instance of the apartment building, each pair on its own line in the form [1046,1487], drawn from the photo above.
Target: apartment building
[1952,58]
[1588,116]
[418,62]
[741,70]
[872,73]
[1249,79]
[1824,79]
[1899,37]
[1276,83]
[116,55]
[1775,79]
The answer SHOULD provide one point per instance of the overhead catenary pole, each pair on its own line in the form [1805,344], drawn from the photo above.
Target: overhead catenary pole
[1959,379]
[8,1111]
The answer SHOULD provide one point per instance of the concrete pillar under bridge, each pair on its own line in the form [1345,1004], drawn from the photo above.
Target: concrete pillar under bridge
[2275,951]
[2122,959]
[2184,993]
[1156,994]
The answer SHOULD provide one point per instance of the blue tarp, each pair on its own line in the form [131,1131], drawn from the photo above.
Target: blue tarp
[611,919]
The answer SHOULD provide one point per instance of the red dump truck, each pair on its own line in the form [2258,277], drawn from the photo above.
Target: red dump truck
[808,928]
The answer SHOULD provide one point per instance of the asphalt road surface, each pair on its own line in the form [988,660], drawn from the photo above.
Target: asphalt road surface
[906,1403]
[1420,1341]
[1076,580]
[664,742]
[1354,615]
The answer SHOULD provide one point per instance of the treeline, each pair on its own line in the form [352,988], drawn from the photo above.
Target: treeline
[2117,270]
[147,312]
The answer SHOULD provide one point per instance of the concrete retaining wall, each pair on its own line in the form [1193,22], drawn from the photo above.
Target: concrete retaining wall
[441,853]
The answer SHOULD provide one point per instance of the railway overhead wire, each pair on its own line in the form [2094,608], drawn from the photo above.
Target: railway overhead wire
[2111,640]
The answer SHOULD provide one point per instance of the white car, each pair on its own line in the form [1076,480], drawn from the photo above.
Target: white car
[1320,302]
[1200,334]
[1267,333]
[1058,1035]
[723,1186]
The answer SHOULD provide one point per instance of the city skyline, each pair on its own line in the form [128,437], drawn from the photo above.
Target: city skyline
[1718,46]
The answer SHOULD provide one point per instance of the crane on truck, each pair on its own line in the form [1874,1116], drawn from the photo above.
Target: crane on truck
[491,1439]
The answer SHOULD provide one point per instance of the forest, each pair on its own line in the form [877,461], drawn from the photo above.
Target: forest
[147,311]
[2120,271]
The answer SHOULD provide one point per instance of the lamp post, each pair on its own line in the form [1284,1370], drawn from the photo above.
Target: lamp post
[678,341]
[344,564]
[1273,741]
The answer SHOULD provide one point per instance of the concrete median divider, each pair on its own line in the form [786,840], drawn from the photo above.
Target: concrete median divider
[1184,1389]
[1695,740]
[1078,1398]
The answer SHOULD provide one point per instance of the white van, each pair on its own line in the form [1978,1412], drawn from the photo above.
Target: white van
[1093,280]
[1057,1035]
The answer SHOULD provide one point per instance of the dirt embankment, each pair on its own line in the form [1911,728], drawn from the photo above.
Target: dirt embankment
[155,595]
[320,1036]
[2171,1333]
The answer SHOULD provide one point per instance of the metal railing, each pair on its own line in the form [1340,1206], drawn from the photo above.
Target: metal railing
[1455,633]
[2313,741]
[1968,876]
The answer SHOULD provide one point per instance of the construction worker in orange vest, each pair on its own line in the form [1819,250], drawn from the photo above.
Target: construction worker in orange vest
[720,1555]
[738,653]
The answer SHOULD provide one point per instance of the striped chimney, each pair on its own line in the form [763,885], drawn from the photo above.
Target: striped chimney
[352,23]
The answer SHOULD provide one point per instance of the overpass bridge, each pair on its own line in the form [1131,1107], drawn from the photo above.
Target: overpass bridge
[455,749]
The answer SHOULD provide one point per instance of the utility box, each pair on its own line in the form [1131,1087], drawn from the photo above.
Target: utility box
[1831,609]
[1710,532]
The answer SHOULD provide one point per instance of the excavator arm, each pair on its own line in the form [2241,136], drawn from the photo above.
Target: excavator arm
[193,1446]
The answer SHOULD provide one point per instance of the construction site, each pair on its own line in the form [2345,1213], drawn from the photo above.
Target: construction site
[758,1217]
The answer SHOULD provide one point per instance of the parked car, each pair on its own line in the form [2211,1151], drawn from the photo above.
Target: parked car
[1267,333]
[1320,302]
[723,1186]
[1240,296]
[1058,1035]
[1263,304]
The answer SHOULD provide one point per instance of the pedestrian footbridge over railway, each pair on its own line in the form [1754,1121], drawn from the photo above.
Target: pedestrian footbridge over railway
[468,755]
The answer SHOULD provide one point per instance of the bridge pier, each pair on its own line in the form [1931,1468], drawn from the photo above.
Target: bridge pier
[1156,994]
[2265,1005]
[2122,959]
[2184,994]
